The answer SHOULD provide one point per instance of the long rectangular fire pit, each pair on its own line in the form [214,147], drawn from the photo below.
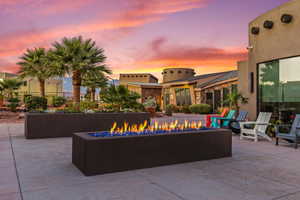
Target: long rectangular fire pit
[51,125]
[99,155]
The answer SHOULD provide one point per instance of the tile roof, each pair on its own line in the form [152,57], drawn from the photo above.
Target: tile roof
[199,77]
[225,76]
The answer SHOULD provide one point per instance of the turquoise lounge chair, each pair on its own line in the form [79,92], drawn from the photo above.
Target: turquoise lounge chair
[293,135]
[218,122]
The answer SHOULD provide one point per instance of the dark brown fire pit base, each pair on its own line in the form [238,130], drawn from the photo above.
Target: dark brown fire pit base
[52,125]
[98,155]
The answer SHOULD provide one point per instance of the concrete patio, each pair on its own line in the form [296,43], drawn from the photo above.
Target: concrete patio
[42,170]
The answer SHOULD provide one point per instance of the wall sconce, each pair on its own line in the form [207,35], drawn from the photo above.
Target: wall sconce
[268,24]
[286,18]
[255,30]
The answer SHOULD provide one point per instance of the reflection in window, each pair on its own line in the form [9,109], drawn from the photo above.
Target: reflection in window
[279,87]
[183,96]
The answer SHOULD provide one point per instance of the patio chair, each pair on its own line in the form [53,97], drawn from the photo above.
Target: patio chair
[218,122]
[259,129]
[234,124]
[293,135]
[208,117]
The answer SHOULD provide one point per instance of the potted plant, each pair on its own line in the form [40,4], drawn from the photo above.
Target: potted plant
[150,105]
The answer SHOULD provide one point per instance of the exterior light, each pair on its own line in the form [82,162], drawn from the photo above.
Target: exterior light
[249,47]
[268,24]
[286,18]
[255,30]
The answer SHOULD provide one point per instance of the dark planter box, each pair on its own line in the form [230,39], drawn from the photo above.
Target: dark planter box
[51,125]
[95,155]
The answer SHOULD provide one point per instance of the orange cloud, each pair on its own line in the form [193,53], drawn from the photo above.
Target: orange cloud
[136,15]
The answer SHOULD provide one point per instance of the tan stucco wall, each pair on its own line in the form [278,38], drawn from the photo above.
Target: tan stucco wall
[172,74]
[141,78]
[279,42]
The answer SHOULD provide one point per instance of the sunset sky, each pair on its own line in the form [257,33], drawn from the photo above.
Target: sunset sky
[137,35]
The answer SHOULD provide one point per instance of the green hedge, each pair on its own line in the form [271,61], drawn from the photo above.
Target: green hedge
[200,109]
[36,103]
[58,101]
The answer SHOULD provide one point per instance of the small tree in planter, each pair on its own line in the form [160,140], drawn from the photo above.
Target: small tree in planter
[119,98]
[150,105]
[234,100]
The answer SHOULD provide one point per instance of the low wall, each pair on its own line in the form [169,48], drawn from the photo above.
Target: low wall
[51,125]
[98,155]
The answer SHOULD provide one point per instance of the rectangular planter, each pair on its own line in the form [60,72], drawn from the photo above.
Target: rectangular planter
[52,125]
[98,155]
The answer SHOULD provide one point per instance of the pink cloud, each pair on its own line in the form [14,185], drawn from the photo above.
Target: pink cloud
[138,14]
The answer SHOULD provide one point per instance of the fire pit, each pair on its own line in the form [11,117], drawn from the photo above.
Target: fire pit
[141,146]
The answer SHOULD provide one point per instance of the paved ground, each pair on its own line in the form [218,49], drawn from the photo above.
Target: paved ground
[42,170]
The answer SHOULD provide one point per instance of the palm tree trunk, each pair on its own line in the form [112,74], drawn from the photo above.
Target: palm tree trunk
[42,87]
[93,93]
[76,82]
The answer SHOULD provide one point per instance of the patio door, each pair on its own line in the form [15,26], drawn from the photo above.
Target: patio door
[217,99]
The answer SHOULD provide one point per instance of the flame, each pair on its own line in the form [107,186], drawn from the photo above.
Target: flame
[144,127]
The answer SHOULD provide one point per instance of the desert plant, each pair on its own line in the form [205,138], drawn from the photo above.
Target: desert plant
[10,87]
[13,104]
[119,98]
[88,105]
[76,57]
[169,109]
[35,103]
[186,109]
[234,100]
[92,80]
[200,108]
[35,63]
[58,101]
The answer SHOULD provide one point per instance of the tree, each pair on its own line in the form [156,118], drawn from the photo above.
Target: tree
[93,80]
[10,86]
[119,98]
[234,99]
[76,57]
[34,63]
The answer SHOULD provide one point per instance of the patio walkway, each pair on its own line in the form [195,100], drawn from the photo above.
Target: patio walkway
[42,170]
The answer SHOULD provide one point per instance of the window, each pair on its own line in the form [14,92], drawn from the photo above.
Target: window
[278,88]
[179,72]
[226,92]
[183,96]
[251,82]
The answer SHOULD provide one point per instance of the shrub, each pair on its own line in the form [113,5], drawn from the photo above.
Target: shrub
[58,101]
[169,109]
[200,108]
[150,103]
[35,103]
[186,109]
[88,105]
[120,98]
[13,104]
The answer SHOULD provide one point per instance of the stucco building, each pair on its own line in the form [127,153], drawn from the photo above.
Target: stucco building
[270,78]
[144,84]
[188,89]
[53,87]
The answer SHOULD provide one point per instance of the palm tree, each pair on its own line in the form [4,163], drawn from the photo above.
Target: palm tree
[76,57]
[234,99]
[10,86]
[34,63]
[119,97]
[93,80]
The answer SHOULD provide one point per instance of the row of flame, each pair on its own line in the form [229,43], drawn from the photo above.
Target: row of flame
[137,128]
